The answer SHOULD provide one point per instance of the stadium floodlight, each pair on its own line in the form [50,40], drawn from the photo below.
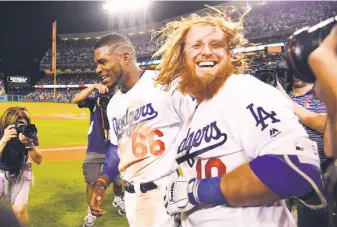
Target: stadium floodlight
[122,6]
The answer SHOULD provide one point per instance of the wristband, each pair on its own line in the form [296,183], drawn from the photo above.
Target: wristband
[207,191]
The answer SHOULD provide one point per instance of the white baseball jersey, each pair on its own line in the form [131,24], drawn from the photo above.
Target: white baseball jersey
[244,120]
[143,123]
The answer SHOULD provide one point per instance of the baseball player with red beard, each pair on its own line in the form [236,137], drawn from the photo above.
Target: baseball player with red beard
[242,150]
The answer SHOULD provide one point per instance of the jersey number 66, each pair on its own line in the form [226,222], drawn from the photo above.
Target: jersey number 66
[141,143]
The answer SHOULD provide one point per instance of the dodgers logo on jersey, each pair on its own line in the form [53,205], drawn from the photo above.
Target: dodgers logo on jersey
[261,116]
[210,134]
[132,118]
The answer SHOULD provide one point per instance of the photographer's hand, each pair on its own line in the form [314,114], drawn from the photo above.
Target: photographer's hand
[10,132]
[281,89]
[23,139]
[83,94]
[102,89]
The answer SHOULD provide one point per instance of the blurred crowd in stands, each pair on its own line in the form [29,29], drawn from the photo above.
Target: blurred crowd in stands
[268,22]
[62,95]
[261,25]
[70,79]
[277,17]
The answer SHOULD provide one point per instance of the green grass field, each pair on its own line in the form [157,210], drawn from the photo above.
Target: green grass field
[58,198]
[62,132]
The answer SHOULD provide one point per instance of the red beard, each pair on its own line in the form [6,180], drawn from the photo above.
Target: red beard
[205,87]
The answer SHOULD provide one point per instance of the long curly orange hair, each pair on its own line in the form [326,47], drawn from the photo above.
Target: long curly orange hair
[173,35]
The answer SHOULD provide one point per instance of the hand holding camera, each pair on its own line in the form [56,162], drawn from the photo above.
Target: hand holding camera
[24,132]
[101,88]
[281,89]
[10,133]
[23,139]
[103,95]
[27,131]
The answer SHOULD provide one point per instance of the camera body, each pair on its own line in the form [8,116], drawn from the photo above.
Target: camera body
[28,130]
[15,156]
[271,76]
[103,99]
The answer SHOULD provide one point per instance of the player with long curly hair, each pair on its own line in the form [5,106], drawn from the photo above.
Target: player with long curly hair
[242,150]
[174,64]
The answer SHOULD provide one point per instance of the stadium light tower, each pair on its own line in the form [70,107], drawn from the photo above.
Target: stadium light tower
[115,7]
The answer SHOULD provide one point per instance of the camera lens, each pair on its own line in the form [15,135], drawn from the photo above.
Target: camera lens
[267,76]
[302,43]
[28,130]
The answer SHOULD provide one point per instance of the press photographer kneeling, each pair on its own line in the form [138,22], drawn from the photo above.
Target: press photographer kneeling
[18,142]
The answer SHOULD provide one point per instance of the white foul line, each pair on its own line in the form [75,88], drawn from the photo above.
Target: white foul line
[62,149]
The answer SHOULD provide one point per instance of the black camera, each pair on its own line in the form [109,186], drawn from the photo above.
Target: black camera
[28,130]
[295,54]
[302,43]
[103,99]
[271,76]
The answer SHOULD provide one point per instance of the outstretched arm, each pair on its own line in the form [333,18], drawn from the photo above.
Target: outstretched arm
[108,174]
[83,94]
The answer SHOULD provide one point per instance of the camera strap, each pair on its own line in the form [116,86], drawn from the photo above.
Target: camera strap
[104,123]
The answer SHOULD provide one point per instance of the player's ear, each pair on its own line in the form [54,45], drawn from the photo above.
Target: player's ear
[126,58]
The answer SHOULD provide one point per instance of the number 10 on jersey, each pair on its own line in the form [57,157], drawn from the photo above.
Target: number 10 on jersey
[142,144]
[213,164]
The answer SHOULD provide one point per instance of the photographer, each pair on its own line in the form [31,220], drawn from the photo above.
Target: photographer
[18,142]
[98,143]
[323,61]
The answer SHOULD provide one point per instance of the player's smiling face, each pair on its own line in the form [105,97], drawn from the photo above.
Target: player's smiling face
[207,62]
[205,49]
[107,66]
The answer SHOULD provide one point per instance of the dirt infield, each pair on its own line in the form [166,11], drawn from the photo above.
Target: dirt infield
[63,153]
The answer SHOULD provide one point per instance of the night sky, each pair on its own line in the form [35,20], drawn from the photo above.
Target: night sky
[25,27]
